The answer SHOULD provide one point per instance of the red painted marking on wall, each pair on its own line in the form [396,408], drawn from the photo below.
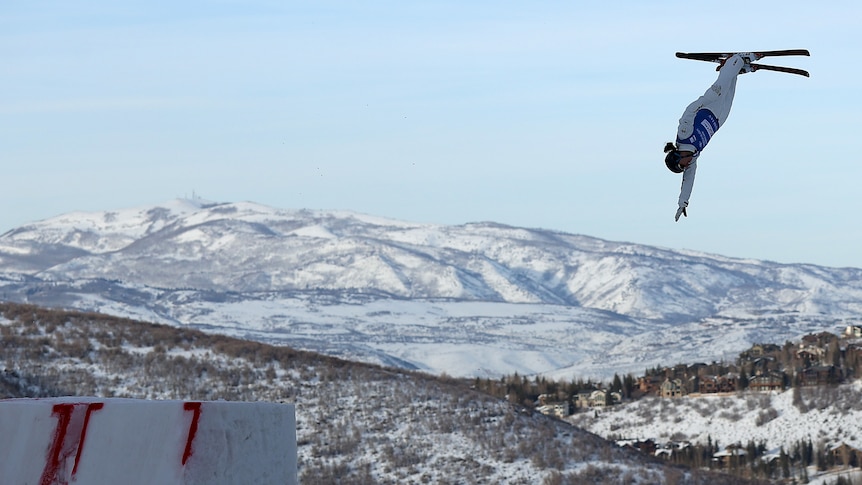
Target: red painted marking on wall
[68,440]
[90,408]
[193,428]
[52,462]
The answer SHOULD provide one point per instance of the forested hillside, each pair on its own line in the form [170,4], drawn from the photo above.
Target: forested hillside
[356,423]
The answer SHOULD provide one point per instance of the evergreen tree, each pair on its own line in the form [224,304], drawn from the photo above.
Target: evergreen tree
[784,461]
[821,459]
[617,385]
[628,386]
[752,454]
[833,354]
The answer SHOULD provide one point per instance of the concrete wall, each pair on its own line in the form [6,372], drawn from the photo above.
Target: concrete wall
[100,441]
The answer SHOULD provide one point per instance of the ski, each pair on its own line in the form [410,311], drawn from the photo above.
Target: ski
[719,56]
[790,70]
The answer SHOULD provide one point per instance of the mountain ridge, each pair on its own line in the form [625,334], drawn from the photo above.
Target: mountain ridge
[300,275]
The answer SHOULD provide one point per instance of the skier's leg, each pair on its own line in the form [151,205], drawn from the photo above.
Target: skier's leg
[724,88]
[718,98]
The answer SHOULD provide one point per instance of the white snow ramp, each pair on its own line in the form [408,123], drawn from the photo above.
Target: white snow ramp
[98,441]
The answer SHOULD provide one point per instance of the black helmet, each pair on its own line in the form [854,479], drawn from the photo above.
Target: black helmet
[672,159]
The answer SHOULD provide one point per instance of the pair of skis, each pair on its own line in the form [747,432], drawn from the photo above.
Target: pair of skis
[720,57]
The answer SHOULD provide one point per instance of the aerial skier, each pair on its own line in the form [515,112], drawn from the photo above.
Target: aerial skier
[700,121]
[704,116]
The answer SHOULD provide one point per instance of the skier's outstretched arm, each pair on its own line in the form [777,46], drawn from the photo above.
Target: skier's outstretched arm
[685,189]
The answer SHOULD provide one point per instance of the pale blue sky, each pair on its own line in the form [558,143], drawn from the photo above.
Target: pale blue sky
[538,114]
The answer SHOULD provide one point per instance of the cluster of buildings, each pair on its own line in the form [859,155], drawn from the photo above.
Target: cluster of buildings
[595,398]
[818,359]
[832,454]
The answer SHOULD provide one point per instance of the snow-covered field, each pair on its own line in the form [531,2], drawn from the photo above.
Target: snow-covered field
[468,338]
[827,416]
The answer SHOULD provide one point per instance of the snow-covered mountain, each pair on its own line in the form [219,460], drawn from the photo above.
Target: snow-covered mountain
[474,299]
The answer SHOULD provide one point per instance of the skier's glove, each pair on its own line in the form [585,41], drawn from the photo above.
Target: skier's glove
[680,212]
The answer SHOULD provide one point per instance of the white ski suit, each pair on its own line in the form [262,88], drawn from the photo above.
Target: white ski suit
[703,118]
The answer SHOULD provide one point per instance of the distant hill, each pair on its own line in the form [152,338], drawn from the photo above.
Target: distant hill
[476,299]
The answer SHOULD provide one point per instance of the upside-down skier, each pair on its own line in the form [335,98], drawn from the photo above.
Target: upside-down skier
[700,121]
